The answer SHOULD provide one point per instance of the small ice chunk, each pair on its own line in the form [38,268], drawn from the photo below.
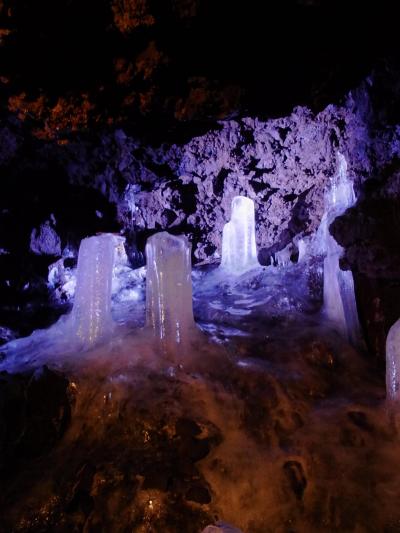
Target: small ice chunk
[239,252]
[282,258]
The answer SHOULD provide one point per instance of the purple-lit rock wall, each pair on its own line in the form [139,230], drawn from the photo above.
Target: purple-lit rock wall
[284,165]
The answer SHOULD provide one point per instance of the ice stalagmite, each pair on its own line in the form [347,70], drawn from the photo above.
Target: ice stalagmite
[90,319]
[339,297]
[239,252]
[393,363]
[302,247]
[169,311]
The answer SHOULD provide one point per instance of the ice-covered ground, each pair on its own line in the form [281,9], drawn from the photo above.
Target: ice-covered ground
[273,423]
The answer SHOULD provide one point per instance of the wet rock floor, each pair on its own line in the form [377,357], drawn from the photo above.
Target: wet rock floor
[275,425]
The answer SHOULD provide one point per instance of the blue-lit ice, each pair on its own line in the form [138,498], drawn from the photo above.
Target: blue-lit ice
[302,248]
[239,252]
[393,363]
[282,258]
[339,298]
[169,308]
[90,321]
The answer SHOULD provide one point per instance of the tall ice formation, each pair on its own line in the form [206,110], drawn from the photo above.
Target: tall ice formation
[393,363]
[339,297]
[169,310]
[90,319]
[239,252]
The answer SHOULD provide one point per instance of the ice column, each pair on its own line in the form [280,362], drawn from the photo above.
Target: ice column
[302,247]
[90,319]
[239,251]
[393,363]
[169,310]
[282,258]
[339,298]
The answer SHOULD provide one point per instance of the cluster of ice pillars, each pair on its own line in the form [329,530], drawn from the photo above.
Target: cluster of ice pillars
[169,311]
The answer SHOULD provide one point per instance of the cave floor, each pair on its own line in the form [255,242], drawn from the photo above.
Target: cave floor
[275,424]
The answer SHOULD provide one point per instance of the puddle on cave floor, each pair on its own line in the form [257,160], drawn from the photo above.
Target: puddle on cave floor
[275,425]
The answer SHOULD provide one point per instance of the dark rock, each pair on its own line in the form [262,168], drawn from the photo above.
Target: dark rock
[198,494]
[157,479]
[360,419]
[296,477]
[185,428]
[120,65]
[34,413]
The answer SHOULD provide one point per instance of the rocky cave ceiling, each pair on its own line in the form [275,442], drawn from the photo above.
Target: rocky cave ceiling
[71,65]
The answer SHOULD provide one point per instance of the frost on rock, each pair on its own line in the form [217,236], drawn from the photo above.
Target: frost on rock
[169,311]
[62,280]
[239,252]
[45,241]
[393,363]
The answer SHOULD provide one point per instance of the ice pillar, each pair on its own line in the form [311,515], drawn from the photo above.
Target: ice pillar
[339,296]
[302,247]
[90,319]
[239,252]
[169,309]
[393,363]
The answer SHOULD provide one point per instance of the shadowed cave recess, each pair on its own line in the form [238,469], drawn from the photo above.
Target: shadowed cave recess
[199,266]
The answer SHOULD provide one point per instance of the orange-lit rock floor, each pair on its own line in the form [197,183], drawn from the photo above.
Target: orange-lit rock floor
[275,425]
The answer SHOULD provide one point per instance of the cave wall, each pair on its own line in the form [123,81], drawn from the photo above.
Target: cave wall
[285,165]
